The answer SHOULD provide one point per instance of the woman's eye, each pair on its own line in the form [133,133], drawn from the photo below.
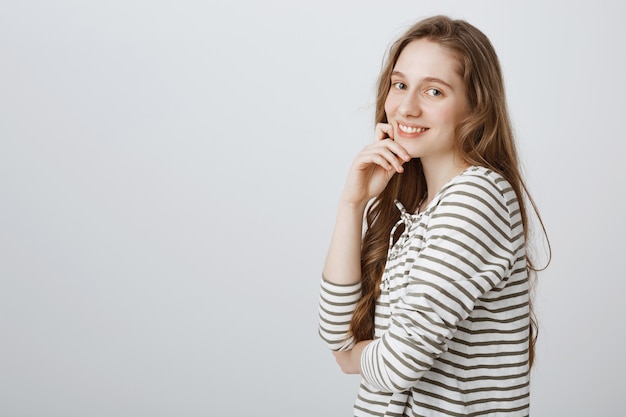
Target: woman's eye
[399,85]
[434,92]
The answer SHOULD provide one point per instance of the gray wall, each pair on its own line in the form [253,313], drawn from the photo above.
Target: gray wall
[169,173]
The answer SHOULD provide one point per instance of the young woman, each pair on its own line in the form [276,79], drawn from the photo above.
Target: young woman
[431,304]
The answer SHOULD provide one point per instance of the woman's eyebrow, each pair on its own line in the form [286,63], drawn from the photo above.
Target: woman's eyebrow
[425,79]
[437,80]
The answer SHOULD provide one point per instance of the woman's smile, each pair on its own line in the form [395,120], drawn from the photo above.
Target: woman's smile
[411,131]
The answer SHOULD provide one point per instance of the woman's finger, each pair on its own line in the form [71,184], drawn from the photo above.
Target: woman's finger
[383,131]
[378,153]
[367,159]
[393,147]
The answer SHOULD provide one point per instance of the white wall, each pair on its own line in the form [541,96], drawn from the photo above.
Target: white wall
[168,179]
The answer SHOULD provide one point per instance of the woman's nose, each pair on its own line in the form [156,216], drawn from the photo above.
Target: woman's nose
[410,105]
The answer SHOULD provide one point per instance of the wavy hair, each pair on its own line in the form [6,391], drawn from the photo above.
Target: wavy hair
[484,138]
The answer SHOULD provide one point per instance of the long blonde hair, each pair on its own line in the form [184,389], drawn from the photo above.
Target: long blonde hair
[485,138]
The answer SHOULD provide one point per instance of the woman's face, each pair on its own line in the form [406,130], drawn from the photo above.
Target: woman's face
[426,101]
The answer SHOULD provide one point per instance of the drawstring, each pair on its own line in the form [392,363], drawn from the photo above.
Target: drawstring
[407,220]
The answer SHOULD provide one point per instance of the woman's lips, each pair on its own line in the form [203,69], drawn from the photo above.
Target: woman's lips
[406,130]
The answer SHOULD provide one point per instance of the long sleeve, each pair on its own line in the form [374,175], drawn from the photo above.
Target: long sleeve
[336,306]
[469,246]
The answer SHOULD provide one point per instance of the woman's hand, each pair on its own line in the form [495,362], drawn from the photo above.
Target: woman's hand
[350,360]
[374,166]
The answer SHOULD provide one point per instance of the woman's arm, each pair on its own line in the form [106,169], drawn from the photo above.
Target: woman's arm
[341,284]
[343,261]
[368,176]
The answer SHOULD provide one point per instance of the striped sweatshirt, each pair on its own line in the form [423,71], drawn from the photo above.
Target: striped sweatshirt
[452,319]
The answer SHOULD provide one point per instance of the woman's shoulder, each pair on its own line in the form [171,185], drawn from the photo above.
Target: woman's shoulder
[479,187]
[476,178]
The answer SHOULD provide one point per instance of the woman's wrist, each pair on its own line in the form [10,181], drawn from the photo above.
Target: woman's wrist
[356,207]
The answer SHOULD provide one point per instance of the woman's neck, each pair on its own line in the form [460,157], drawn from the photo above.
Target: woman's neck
[437,174]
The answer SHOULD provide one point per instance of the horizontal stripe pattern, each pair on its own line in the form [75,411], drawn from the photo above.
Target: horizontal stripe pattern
[336,306]
[452,319]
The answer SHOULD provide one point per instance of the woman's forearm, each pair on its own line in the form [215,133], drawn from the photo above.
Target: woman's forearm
[343,261]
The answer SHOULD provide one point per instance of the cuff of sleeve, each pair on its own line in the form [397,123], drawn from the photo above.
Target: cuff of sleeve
[347,291]
[336,307]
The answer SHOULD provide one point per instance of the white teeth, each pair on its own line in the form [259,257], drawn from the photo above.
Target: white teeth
[408,129]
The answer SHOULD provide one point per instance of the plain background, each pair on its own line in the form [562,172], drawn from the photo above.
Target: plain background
[169,173]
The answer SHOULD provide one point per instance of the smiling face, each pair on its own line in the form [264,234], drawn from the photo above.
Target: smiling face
[426,102]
